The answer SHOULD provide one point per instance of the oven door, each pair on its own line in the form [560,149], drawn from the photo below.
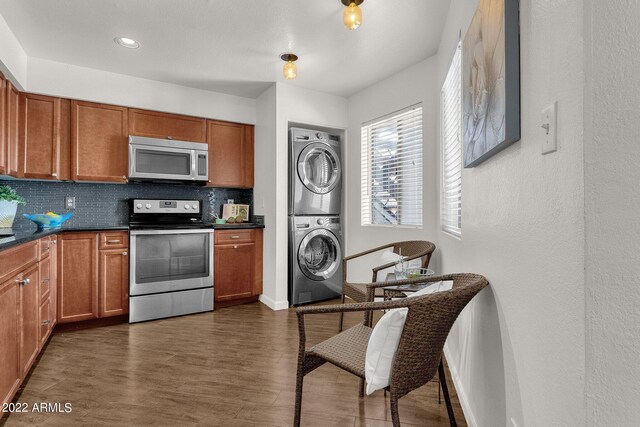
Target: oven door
[170,260]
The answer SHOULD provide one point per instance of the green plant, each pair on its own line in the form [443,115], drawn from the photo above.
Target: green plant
[8,194]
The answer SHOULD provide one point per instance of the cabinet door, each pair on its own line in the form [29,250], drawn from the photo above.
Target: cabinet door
[44,266]
[4,168]
[248,156]
[114,282]
[46,323]
[154,124]
[53,281]
[10,339]
[29,323]
[226,154]
[77,277]
[99,145]
[44,137]
[12,126]
[234,271]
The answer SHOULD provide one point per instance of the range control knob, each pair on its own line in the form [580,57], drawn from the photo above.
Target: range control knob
[187,206]
[320,222]
[148,206]
[195,207]
[318,135]
[139,206]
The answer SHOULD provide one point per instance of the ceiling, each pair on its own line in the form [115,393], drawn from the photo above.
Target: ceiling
[232,46]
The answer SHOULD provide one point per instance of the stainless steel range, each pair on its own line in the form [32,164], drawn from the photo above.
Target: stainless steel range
[171,262]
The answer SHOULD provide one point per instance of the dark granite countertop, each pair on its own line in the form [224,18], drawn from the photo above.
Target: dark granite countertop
[24,235]
[236,226]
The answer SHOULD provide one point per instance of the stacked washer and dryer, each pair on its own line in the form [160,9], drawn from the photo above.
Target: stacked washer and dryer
[315,231]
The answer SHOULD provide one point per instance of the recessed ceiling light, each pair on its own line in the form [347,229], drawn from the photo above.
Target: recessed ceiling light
[127,42]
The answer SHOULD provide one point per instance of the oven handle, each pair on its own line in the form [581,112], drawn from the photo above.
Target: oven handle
[177,231]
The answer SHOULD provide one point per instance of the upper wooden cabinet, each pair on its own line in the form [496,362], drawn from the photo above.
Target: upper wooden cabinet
[99,145]
[230,154]
[11,127]
[44,137]
[154,124]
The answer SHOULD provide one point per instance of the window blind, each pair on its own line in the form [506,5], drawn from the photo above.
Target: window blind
[451,148]
[391,167]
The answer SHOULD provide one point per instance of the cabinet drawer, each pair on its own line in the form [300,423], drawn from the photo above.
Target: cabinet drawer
[234,236]
[45,246]
[15,259]
[114,239]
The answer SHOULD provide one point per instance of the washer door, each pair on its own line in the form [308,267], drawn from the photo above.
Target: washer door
[319,167]
[319,255]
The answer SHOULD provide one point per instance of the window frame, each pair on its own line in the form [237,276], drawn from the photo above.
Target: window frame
[447,215]
[366,184]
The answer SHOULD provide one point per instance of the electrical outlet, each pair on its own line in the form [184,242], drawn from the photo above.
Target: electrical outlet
[229,201]
[70,202]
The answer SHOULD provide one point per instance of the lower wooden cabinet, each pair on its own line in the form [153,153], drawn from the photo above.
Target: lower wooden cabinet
[114,282]
[10,372]
[29,315]
[237,266]
[77,277]
[92,282]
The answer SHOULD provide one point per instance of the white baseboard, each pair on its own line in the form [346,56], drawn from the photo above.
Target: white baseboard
[272,304]
[462,395]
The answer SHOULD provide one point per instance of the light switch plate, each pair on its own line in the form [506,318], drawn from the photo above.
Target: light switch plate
[549,127]
[70,202]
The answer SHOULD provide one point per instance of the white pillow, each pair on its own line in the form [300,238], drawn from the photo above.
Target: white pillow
[384,339]
[389,256]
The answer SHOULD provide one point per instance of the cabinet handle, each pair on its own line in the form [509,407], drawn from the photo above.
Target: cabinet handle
[235,246]
[113,241]
[54,174]
[23,282]
[46,322]
[169,137]
[124,253]
[235,237]
[54,242]
[45,280]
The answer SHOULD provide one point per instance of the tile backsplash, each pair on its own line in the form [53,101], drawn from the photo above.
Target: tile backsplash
[106,204]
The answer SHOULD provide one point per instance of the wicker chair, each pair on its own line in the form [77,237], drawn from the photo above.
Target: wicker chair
[419,354]
[411,249]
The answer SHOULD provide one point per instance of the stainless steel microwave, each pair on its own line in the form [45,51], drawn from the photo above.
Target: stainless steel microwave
[152,159]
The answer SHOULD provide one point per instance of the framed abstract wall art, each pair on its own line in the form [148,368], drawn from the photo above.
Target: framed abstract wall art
[491,80]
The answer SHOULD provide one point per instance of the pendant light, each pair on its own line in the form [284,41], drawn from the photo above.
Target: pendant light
[352,16]
[289,69]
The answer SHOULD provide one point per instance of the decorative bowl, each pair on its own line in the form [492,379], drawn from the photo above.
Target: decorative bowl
[49,220]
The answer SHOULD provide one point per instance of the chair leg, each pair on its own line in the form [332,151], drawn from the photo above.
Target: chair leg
[445,392]
[395,415]
[341,315]
[298,407]
[361,392]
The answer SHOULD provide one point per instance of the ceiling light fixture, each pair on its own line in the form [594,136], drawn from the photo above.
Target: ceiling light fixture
[127,42]
[289,69]
[352,16]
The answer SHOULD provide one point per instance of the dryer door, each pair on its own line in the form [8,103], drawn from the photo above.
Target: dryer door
[319,255]
[319,167]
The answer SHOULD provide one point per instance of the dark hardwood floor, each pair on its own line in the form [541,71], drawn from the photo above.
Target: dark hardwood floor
[233,367]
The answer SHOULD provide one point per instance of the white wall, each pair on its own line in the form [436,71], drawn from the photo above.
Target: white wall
[264,190]
[13,59]
[71,81]
[612,126]
[523,228]
[416,84]
[518,350]
[293,104]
